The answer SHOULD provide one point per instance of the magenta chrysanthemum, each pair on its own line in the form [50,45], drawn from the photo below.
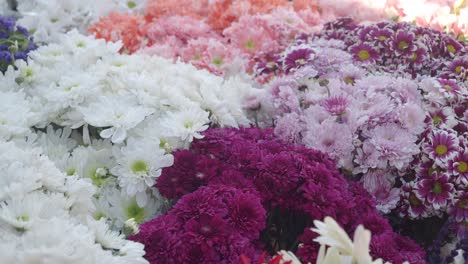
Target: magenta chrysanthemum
[436,191]
[458,166]
[442,146]
[364,53]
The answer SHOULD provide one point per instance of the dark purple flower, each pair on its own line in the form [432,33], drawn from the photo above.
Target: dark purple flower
[459,210]
[210,229]
[297,58]
[458,167]
[403,43]
[364,53]
[247,215]
[442,146]
[436,191]
[452,46]
[459,67]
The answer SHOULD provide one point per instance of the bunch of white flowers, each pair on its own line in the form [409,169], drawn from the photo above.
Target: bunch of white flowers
[114,118]
[48,19]
[45,215]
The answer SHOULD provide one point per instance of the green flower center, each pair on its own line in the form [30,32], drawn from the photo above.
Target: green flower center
[363,55]
[80,44]
[99,215]
[188,124]
[22,218]
[414,200]
[131,4]
[414,57]
[71,171]
[99,176]
[458,69]
[217,61]
[437,188]
[436,120]
[451,48]
[382,37]
[463,204]
[249,44]
[349,80]
[135,212]
[402,45]
[448,87]
[54,20]
[139,166]
[441,150]
[462,167]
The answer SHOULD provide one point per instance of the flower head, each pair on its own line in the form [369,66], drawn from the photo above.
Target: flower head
[436,191]
[442,146]
[364,53]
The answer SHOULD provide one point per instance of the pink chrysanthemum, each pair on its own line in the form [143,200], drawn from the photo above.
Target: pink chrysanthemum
[364,53]
[442,146]
[336,105]
[436,191]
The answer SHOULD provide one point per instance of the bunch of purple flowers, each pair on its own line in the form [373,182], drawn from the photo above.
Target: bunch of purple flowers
[15,42]
[246,191]
[389,102]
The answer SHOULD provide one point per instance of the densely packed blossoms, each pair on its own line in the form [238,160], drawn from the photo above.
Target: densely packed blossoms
[15,42]
[114,119]
[48,19]
[388,101]
[45,215]
[232,180]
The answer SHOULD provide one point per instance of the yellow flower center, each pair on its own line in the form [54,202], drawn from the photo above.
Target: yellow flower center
[402,45]
[363,55]
[414,57]
[451,48]
[448,87]
[462,167]
[441,150]
[458,69]
[382,37]
[349,80]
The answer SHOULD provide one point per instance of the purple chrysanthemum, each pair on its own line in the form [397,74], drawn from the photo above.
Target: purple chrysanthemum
[411,205]
[459,210]
[297,58]
[444,116]
[403,43]
[442,146]
[458,166]
[449,87]
[459,67]
[436,190]
[364,53]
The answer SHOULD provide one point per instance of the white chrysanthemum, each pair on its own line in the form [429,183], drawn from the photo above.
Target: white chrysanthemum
[139,163]
[48,19]
[119,112]
[16,116]
[96,166]
[56,144]
[124,208]
[186,124]
[107,238]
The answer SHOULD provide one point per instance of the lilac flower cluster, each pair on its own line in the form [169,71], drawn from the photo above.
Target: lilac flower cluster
[237,188]
[15,42]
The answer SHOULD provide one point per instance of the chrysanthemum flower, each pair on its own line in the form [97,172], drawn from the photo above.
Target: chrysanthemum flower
[442,146]
[458,166]
[336,105]
[459,210]
[364,53]
[444,116]
[296,58]
[403,43]
[436,191]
